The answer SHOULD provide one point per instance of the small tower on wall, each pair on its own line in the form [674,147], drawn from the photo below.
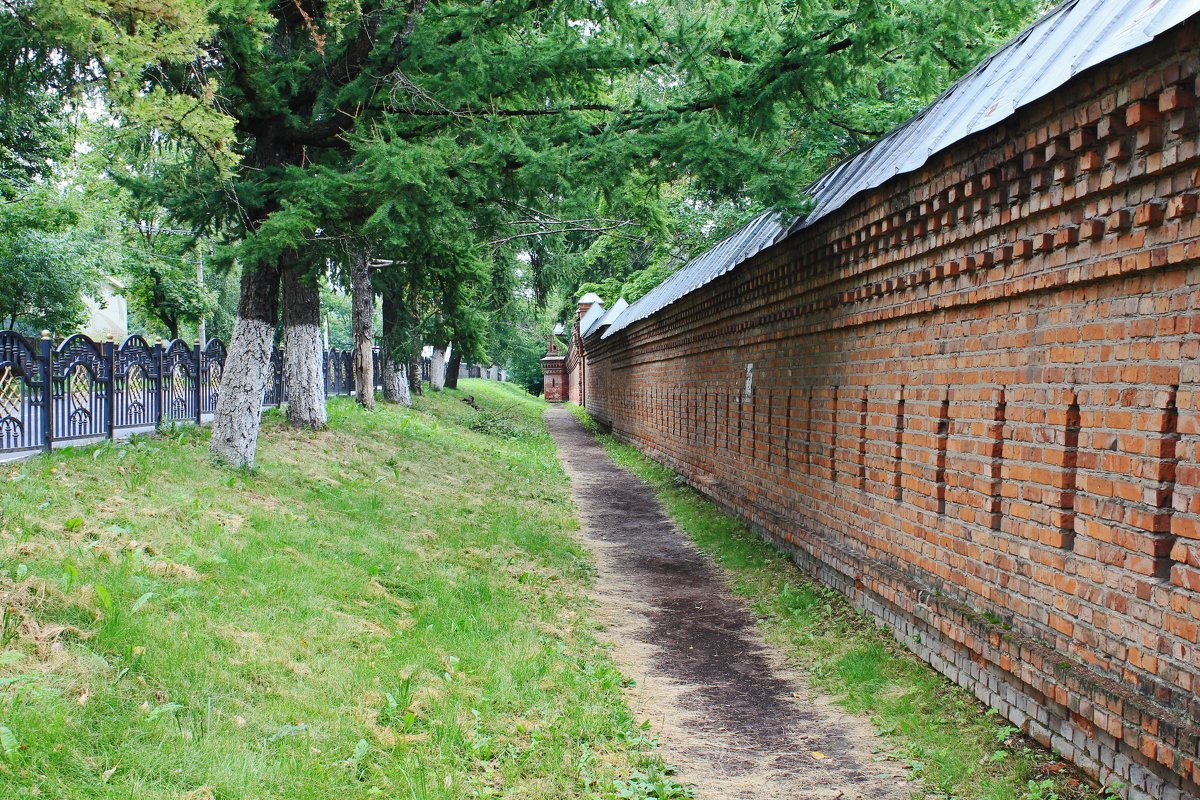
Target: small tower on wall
[554,370]
[587,301]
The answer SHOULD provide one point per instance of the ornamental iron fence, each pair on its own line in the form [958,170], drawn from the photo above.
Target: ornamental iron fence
[81,390]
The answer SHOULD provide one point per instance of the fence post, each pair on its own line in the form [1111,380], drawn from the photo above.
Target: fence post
[158,403]
[47,392]
[110,395]
[279,378]
[199,387]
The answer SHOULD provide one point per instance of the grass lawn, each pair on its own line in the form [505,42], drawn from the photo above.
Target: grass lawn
[393,607]
[938,729]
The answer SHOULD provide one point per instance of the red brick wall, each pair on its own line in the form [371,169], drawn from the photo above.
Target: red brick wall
[969,400]
[554,379]
[575,366]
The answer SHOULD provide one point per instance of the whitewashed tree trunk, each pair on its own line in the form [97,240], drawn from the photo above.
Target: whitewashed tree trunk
[303,355]
[437,369]
[414,374]
[395,374]
[247,368]
[363,320]
[453,368]
[415,361]
[395,382]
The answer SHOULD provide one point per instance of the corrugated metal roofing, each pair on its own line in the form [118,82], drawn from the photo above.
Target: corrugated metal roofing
[591,318]
[617,310]
[1069,39]
[1073,37]
[726,254]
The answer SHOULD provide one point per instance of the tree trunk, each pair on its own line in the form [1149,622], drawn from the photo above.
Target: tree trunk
[414,374]
[414,343]
[247,368]
[395,373]
[453,368]
[363,300]
[437,369]
[303,357]
[395,382]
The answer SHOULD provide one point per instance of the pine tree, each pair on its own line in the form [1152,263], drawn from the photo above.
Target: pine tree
[425,125]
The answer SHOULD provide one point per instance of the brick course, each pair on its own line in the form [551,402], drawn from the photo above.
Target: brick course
[970,400]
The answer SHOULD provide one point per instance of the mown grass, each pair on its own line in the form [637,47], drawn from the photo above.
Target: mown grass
[393,607]
[949,741]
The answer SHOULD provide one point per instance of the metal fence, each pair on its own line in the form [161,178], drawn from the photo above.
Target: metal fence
[80,389]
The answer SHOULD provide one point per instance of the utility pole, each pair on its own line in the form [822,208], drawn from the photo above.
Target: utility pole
[201,333]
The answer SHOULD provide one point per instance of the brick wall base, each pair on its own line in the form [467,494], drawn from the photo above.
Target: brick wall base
[981,656]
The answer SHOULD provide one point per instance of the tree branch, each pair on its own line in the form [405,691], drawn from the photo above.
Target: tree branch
[579,229]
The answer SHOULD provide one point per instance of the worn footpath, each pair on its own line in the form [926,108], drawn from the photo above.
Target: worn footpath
[732,718]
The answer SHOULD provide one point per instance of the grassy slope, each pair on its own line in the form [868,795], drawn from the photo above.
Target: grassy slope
[937,728]
[393,606]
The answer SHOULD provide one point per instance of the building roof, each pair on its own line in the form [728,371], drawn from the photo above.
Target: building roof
[590,297]
[726,254]
[617,310]
[591,319]
[1074,36]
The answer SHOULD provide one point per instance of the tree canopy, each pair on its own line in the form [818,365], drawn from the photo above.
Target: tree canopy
[474,163]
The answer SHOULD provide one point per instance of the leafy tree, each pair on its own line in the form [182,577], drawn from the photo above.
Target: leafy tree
[228,286]
[901,57]
[43,278]
[165,287]
[434,125]
[923,47]
[34,130]
[630,266]
[161,258]
[335,316]
[49,262]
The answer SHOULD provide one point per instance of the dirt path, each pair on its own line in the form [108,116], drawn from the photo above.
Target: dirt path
[732,718]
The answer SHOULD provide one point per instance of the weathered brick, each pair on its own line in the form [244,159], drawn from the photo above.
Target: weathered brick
[1148,214]
[1183,205]
[1174,98]
[1119,221]
[1117,151]
[1142,113]
[1092,229]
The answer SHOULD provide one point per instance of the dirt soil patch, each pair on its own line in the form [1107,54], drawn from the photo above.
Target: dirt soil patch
[732,717]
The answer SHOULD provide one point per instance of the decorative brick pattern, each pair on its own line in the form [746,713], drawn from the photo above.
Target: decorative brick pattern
[970,400]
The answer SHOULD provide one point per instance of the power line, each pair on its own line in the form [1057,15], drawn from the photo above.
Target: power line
[146,228]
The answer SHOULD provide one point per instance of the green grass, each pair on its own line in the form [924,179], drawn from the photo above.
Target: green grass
[949,741]
[393,607]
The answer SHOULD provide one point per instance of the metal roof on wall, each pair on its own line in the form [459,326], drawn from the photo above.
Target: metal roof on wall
[591,317]
[726,254]
[1073,37]
[617,310]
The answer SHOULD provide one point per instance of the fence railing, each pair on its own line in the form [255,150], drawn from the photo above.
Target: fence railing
[80,389]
